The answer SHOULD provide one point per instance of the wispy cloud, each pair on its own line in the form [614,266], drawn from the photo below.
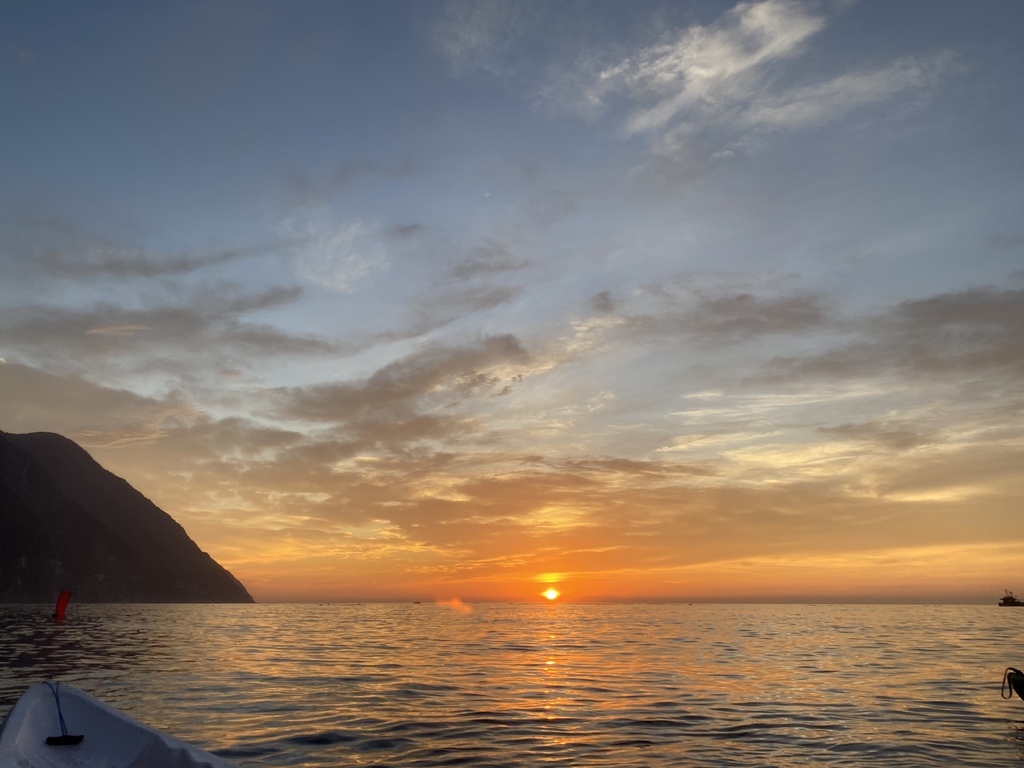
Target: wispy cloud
[897,436]
[690,312]
[487,260]
[731,78]
[482,35]
[60,250]
[830,100]
[333,254]
[707,67]
[442,373]
[96,415]
[735,77]
[206,325]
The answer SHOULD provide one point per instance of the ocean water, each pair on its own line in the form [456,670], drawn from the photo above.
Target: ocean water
[544,685]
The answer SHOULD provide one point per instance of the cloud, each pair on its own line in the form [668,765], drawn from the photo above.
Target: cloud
[450,305]
[468,284]
[688,311]
[710,89]
[439,373]
[602,303]
[728,78]
[206,326]
[705,65]
[610,467]
[964,336]
[482,34]
[547,207]
[487,260]
[431,312]
[335,255]
[35,400]
[827,101]
[117,330]
[471,518]
[405,231]
[397,471]
[59,249]
[893,435]
[744,316]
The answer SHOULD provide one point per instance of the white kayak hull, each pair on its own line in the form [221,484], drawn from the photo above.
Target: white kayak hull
[111,738]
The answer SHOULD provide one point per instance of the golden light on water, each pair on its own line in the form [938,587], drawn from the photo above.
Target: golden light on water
[550,594]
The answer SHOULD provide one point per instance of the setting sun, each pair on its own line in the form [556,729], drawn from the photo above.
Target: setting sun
[550,594]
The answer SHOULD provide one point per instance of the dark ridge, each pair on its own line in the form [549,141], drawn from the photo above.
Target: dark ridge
[67,523]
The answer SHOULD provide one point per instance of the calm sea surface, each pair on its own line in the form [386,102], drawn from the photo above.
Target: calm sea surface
[544,685]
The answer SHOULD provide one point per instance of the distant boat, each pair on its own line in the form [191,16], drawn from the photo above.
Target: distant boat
[1010,599]
[101,735]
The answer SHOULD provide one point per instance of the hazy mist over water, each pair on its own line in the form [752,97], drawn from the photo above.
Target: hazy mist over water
[557,684]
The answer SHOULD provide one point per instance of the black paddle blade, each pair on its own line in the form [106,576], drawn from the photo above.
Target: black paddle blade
[64,741]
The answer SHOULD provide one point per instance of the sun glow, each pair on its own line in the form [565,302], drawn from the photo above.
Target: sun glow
[550,594]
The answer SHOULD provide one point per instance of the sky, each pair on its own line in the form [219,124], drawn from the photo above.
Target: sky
[461,301]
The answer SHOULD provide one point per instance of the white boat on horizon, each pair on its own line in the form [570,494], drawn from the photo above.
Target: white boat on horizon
[54,725]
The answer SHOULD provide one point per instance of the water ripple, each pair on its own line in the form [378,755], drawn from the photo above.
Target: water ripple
[553,685]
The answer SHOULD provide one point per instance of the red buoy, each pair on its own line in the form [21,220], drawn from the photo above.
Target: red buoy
[62,605]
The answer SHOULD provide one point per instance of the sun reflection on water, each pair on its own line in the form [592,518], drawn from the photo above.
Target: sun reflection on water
[528,684]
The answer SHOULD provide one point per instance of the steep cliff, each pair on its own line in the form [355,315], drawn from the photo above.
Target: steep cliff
[67,523]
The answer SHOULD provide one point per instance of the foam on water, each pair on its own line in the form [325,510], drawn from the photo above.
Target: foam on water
[556,684]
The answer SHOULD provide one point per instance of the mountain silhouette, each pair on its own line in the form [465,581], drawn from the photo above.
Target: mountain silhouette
[68,523]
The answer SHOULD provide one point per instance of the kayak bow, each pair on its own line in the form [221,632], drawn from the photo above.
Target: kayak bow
[103,736]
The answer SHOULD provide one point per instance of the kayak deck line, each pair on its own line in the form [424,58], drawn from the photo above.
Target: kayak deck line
[103,735]
[65,739]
